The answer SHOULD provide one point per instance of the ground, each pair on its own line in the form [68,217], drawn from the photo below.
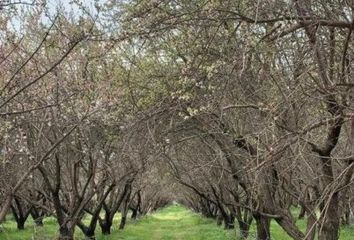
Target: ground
[171,223]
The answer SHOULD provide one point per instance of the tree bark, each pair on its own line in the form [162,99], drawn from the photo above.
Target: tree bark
[229,222]
[311,226]
[66,233]
[263,227]
[330,217]
[134,213]
[107,222]
[329,229]
[218,219]
[5,208]
[123,221]
[289,226]
[302,212]
[106,227]
[20,224]
[37,217]
[125,208]
[20,213]
[244,229]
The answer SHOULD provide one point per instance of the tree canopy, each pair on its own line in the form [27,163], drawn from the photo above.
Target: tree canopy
[240,110]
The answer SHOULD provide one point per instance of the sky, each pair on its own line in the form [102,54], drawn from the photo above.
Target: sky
[70,7]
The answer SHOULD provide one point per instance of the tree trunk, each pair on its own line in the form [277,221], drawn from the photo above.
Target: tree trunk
[244,219]
[123,222]
[38,221]
[330,217]
[66,233]
[244,229]
[90,235]
[287,222]
[125,210]
[218,219]
[89,232]
[5,208]
[37,217]
[302,212]
[229,222]
[19,214]
[106,223]
[106,227]
[346,218]
[21,224]
[263,227]
[311,226]
[329,229]
[134,213]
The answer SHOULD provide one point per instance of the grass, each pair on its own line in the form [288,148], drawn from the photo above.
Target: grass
[171,223]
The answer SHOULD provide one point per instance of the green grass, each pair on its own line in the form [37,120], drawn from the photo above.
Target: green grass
[174,222]
[171,223]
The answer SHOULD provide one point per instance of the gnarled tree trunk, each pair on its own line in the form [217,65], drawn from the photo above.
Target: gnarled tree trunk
[263,227]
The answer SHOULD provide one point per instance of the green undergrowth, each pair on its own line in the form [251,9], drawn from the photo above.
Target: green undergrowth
[171,223]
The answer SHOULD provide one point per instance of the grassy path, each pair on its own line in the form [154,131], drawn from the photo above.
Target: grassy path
[171,223]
